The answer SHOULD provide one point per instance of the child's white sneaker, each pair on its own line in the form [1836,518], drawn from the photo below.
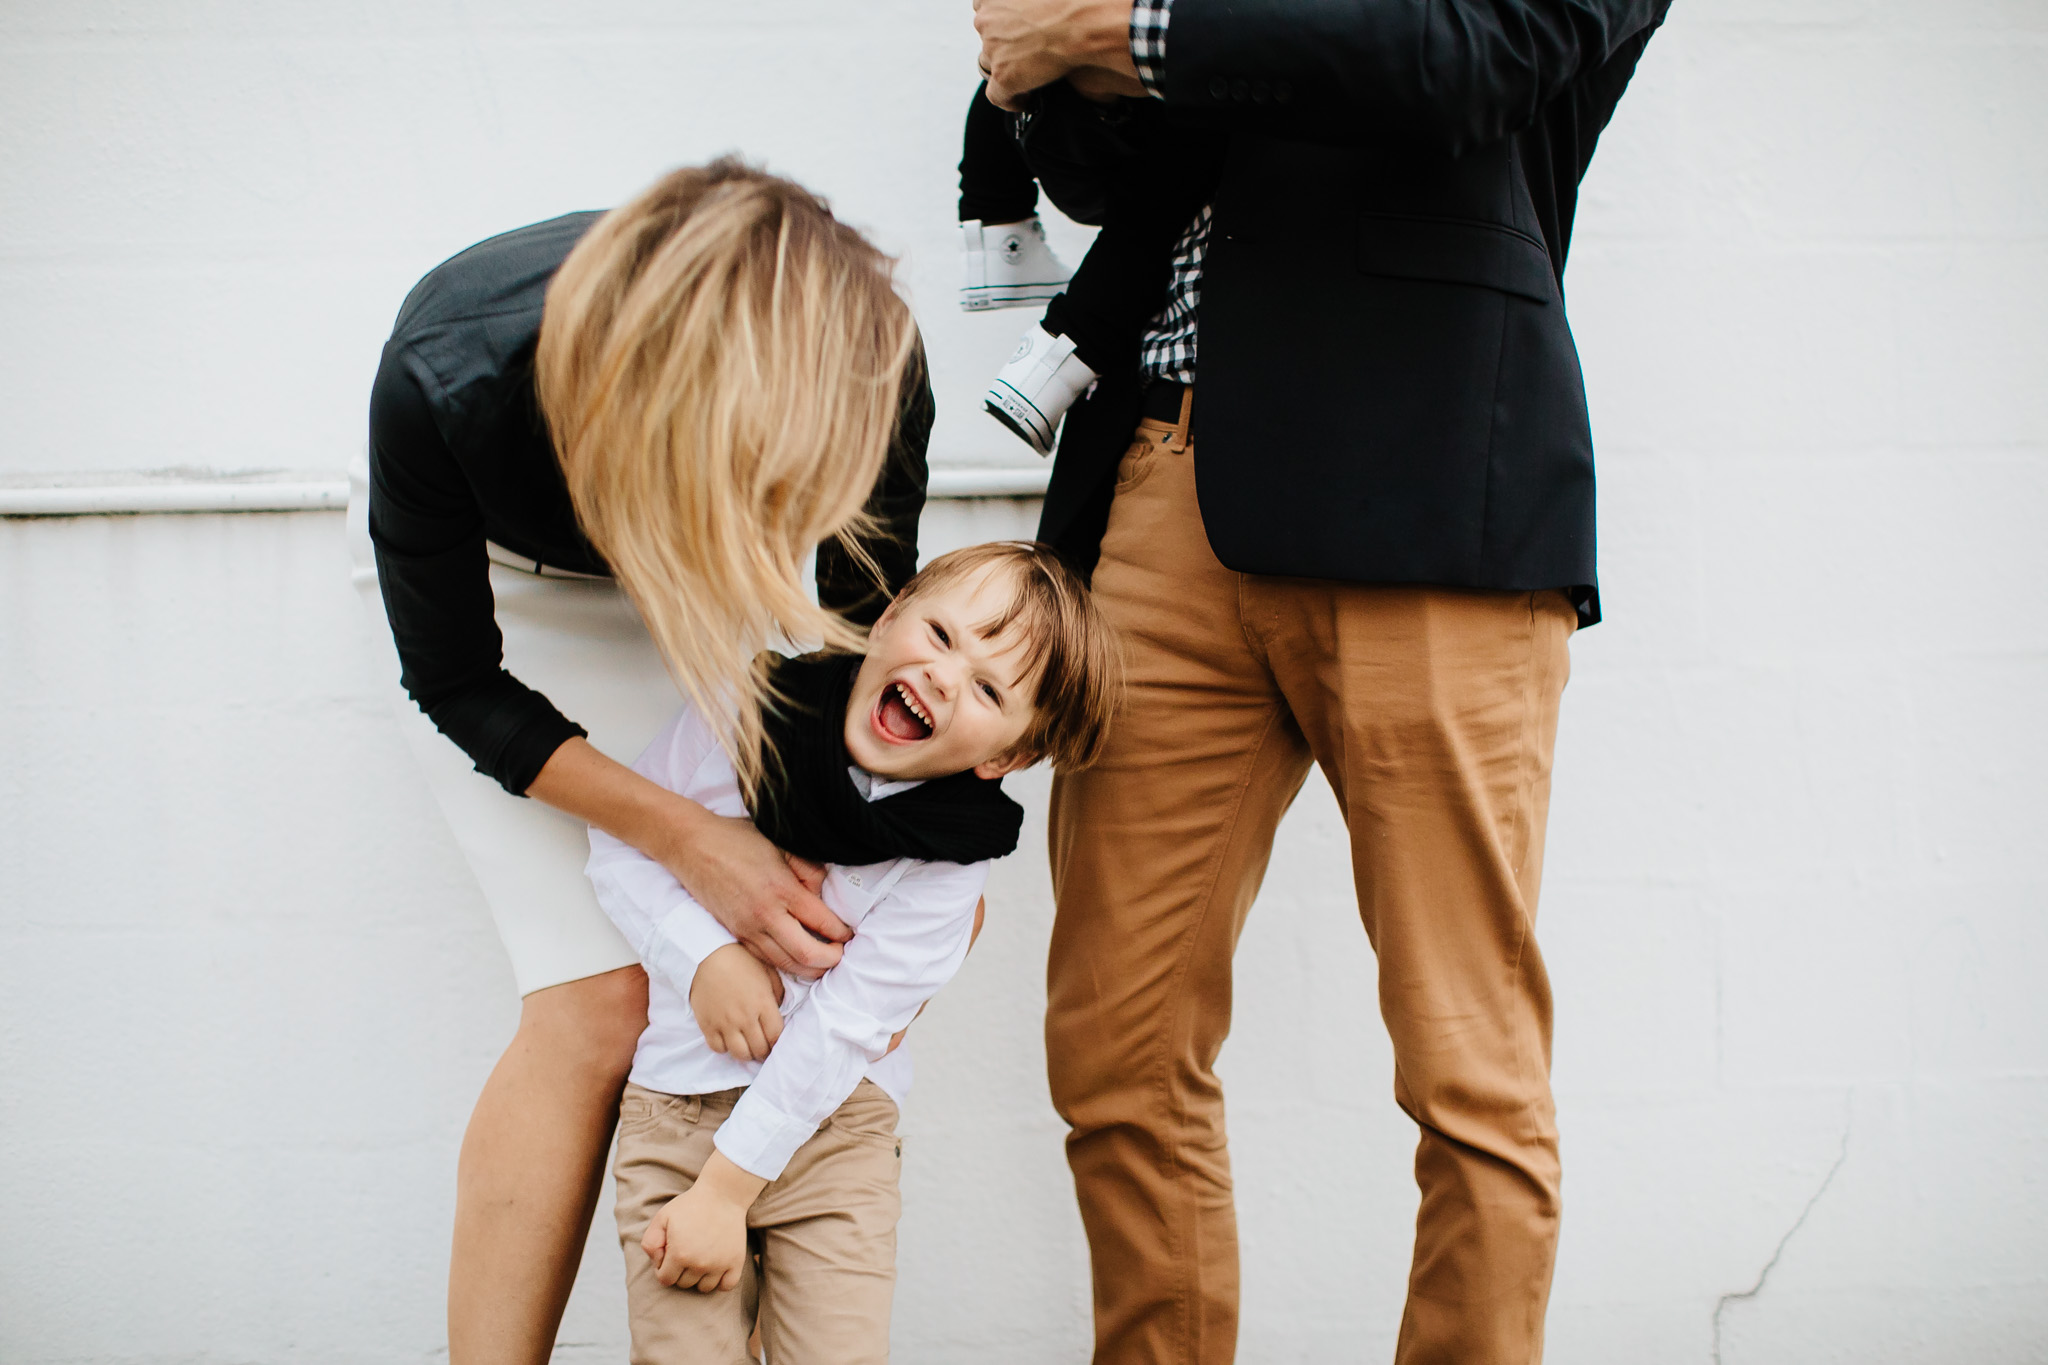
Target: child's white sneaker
[1007,265]
[1033,391]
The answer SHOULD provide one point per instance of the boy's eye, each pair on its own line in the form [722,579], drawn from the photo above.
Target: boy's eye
[989,691]
[940,631]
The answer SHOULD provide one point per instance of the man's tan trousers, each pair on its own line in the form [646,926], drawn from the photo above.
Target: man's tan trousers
[1432,712]
[825,1232]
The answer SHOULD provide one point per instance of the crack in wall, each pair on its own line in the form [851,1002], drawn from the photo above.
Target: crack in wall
[1762,1276]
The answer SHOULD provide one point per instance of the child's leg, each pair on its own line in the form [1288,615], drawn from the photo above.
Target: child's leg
[995,184]
[664,1141]
[1005,262]
[1090,330]
[1121,283]
[1119,286]
[828,1240]
[1094,328]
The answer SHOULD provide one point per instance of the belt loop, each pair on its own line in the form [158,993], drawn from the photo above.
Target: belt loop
[693,1108]
[1182,426]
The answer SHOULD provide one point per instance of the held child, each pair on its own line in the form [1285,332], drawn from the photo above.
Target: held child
[1141,177]
[760,1117]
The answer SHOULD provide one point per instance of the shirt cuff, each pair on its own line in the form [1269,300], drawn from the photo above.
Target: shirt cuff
[759,1138]
[683,938]
[1148,43]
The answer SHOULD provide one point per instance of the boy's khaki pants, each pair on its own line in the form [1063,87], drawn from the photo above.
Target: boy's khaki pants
[825,1231]
[1432,712]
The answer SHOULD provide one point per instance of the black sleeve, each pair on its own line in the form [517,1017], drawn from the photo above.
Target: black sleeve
[1454,73]
[435,577]
[893,508]
[1560,145]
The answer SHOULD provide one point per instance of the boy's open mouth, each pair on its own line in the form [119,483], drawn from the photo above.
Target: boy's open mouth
[899,715]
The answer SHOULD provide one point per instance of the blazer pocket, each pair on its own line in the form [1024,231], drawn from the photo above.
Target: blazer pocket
[1455,251]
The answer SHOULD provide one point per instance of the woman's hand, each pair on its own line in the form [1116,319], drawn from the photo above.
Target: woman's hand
[734,997]
[751,888]
[736,874]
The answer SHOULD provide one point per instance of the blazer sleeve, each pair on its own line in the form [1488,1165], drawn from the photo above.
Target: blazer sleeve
[893,510]
[435,578]
[1453,73]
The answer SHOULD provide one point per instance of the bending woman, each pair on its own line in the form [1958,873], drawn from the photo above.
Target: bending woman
[647,416]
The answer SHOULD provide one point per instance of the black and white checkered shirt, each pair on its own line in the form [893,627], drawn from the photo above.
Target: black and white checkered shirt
[1168,351]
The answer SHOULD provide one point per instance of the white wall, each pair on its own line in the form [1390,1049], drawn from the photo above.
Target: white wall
[1796,912]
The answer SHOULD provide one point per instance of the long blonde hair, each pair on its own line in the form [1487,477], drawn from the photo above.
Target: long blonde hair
[721,363]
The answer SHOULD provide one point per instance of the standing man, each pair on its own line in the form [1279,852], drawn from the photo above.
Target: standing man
[1364,543]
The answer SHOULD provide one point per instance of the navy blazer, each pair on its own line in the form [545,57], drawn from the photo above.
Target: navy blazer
[1387,387]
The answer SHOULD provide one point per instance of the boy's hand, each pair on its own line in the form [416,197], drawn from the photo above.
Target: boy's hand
[734,996]
[699,1239]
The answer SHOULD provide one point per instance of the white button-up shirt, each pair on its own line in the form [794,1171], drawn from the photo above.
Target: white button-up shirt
[912,922]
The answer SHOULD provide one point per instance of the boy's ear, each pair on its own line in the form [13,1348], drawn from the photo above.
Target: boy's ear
[1002,765]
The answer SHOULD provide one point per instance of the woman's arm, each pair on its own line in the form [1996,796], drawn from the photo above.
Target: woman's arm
[724,862]
[435,579]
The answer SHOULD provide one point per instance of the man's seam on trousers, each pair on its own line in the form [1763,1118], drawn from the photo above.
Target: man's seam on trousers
[1244,629]
[1184,1298]
[1525,792]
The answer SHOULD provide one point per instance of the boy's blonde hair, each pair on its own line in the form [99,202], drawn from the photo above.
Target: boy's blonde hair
[721,364]
[1069,643]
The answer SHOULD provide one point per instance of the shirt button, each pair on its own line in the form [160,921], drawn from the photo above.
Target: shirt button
[1220,88]
[1240,89]
[854,877]
[1282,91]
[1261,92]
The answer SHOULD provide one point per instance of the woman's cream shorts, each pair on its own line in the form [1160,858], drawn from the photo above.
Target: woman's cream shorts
[579,642]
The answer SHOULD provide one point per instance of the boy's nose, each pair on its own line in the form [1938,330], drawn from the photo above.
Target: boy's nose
[939,679]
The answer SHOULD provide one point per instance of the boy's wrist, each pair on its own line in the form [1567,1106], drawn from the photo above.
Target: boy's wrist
[725,1182]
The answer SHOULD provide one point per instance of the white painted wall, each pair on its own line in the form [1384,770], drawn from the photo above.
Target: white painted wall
[1797,914]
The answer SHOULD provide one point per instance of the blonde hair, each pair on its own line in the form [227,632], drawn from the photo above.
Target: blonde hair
[1068,641]
[721,364]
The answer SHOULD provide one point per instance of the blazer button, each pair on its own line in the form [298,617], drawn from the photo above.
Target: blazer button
[1240,89]
[1220,88]
[1261,91]
[1282,91]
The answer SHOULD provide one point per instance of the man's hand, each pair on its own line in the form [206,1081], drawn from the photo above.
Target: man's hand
[699,1239]
[751,888]
[1029,43]
[734,995]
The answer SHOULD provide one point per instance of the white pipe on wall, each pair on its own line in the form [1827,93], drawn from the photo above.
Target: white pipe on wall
[321,491]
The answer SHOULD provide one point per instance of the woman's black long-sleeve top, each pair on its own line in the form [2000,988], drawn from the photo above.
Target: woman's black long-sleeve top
[459,454]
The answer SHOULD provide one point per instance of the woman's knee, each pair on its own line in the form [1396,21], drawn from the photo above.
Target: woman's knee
[593,1023]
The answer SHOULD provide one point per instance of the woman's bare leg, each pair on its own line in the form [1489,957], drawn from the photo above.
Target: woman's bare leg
[531,1164]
